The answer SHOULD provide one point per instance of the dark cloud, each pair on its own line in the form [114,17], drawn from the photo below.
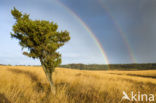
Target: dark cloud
[136,18]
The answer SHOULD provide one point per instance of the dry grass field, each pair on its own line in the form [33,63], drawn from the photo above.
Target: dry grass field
[21,84]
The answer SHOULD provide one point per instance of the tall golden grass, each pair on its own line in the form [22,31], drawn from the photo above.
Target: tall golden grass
[21,84]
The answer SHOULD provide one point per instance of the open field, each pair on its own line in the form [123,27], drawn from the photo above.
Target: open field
[21,84]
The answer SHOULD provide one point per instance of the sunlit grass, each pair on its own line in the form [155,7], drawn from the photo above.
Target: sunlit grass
[20,84]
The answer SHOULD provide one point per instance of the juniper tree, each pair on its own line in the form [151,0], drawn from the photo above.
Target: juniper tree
[41,38]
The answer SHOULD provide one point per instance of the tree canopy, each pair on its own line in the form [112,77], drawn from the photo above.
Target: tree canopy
[41,38]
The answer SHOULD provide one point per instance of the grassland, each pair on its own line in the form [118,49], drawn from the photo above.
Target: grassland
[21,84]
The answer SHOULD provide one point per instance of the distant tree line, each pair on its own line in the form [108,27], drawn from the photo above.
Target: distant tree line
[147,66]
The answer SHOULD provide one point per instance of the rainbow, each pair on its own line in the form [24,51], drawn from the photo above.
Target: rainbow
[95,39]
[118,27]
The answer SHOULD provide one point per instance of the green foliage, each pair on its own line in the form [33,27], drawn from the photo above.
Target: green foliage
[41,38]
[147,66]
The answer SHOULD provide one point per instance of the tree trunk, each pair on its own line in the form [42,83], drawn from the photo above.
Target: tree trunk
[49,77]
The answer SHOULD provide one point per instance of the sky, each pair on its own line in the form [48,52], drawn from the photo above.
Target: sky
[102,31]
